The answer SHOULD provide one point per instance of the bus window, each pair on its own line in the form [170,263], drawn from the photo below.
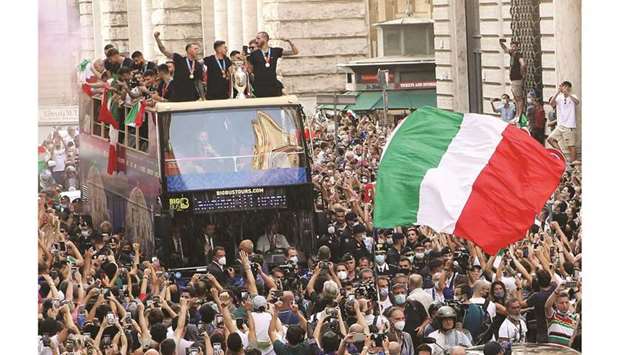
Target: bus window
[143,133]
[131,137]
[233,148]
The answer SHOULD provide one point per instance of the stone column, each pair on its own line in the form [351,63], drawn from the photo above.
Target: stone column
[208,30]
[235,26]
[114,24]
[87,40]
[97,29]
[259,16]
[134,26]
[179,22]
[567,23]
[220,20]
[250,22]
[148,42]
[459,56]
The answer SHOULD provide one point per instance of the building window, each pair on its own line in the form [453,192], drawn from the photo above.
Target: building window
[349,78]
[408,40]
[99,128]
[392,42]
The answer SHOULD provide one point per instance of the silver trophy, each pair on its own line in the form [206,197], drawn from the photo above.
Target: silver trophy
[240,81]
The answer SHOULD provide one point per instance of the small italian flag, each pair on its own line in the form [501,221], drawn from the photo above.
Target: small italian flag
[135,116]
[43,156]
[465,174]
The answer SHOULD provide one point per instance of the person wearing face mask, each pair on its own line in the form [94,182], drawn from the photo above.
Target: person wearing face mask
[447,336]
[396,316]
[383,288]
[498,297]
[562,322]
[506,109]
[399,293]
[218,264]
[381,266]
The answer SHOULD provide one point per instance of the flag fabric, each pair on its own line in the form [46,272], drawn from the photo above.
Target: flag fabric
[135,117]
[43,157]
[112,150]
[110,111]
[471,175]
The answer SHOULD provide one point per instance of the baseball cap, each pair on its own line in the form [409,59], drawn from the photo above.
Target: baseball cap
[259,301]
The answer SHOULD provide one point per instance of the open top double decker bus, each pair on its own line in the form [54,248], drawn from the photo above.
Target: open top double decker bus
[241,164]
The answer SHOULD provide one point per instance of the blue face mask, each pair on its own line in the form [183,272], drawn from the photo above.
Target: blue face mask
[380,259]
[400,298]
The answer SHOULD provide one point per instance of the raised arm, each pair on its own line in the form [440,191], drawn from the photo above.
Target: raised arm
[228,321]
[250,281]
[551,300]
[293,51]
[182,320]
[161,47]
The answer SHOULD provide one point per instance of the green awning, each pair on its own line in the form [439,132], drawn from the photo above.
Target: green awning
[366,101]
[408,99]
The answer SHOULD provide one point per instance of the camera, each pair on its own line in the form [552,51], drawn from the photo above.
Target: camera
[377,338]
[366,290]
[461,257]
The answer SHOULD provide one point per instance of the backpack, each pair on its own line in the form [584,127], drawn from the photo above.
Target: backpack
[477,320]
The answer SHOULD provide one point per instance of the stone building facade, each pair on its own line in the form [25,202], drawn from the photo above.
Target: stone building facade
[467,31]
[326,32]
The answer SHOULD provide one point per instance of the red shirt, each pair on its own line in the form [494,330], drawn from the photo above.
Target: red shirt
[539,118]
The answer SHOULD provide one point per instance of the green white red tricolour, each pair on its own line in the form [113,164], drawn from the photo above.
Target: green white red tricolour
[466,174]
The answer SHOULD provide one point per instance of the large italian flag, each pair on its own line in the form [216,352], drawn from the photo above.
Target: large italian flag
[465,174]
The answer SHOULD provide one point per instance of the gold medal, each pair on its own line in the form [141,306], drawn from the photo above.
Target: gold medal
[267,65]
[223,73]
[191,76]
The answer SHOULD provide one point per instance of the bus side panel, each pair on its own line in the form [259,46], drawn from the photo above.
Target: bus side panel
[127,198]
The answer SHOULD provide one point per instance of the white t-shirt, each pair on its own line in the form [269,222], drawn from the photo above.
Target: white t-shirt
[59,159]
[491,309]
[436,295]
[565,108]
[261,322]
[515,333]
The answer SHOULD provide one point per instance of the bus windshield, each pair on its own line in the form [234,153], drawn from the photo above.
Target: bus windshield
[226,148]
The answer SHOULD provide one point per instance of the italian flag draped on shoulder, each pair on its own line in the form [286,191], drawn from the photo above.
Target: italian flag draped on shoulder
[113,113]
[470,175]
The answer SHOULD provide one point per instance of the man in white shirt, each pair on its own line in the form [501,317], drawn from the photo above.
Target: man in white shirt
[271,240]
[565,104]
[417,293]
[480,293]
[436,292]
[513,329]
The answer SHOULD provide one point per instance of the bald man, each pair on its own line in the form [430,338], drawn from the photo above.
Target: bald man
[151,352]
[417,293]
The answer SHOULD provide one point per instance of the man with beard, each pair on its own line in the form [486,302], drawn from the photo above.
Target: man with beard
[140,64]
[264,62]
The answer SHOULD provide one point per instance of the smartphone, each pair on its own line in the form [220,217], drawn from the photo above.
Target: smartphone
[62,246]
[570,284]
[526,252]
[106,293]
[219,320]
[217,348]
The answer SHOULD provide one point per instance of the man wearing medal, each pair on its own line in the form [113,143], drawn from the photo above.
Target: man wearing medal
[263,64]
[218,72]
[187,72]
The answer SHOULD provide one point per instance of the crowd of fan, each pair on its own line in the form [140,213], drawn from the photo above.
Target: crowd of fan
[408,290]
[59,161]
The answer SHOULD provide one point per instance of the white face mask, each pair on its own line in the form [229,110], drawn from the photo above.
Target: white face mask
[400,298]
[342,275]
[222,261]
[380,259]
[400,325]
[294,259]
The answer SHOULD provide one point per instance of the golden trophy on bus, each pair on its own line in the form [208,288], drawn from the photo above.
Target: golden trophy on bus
[240,81]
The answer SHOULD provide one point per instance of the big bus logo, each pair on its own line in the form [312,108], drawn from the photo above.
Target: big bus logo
[179,203]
